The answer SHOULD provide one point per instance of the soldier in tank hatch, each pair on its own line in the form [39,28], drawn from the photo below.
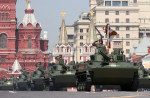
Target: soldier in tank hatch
[100,46]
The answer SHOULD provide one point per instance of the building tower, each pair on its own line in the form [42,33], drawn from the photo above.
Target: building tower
[31,49]
[7,32]
[63,48]
[88,49]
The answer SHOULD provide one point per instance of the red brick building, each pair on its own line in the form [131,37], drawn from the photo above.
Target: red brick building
[22,43]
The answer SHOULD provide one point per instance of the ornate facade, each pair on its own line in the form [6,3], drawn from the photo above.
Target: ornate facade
[22,43]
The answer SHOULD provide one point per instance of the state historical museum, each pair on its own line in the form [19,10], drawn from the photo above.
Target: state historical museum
[23,42]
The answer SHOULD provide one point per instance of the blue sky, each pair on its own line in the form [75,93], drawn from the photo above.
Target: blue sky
[48,13]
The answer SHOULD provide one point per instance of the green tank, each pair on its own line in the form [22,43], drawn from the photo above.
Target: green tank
[105,69]
[37,79]
[61,75]
[144,81]
[7,84]
[23,82]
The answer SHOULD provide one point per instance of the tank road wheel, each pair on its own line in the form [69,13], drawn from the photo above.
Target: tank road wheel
[32,87]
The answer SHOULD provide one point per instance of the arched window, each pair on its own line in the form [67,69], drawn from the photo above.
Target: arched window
[62,49]
[67,49]
[29,43]
[86,49]
[3,16]
[7,16]
[3,41]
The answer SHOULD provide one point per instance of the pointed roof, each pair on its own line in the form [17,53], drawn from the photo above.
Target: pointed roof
[142,48]
[29,16]
[16,67]
[63,37]
[91,37]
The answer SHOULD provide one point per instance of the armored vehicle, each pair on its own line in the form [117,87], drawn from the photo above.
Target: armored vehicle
[61,75]
[37,78]
[23,82]
[144,82]
[7,84]
[105,69]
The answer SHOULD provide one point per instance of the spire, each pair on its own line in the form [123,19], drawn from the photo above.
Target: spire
[91,36]
[63,37]
[16,67]
[29,15]
[28,4]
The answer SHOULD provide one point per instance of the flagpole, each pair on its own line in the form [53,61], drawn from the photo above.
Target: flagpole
[108,39]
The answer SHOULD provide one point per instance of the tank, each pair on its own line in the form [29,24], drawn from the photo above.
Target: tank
[37,79]
[61,76]
[104,69]
[23,82]
[144,80]
[7,84]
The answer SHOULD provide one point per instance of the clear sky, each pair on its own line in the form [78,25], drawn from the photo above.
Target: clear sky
[48,13]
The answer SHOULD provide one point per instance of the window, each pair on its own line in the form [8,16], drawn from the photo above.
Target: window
[117,28]
[106,12]
[70,36]
[127,12]
[127,51]
[80,50]
[117,12]
[62,48]
[81,30]
[87,30]
[116,3]
[80,58]
[106,20]
[6,16]
[3,16]
[67,49]
[127,28]
[127,20]
[117,36]
[127,35]
[81,37]
[135,1]
[124,3]
[117,43]
[127,43]
[86,49]
[29,43]
[3,41]
[0,16]
[81,44]
[117,20]
[107,3]
[3,59]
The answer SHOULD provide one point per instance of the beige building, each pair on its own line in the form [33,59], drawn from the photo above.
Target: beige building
[129,18]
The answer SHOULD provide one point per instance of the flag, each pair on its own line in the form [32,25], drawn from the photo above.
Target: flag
[110,35]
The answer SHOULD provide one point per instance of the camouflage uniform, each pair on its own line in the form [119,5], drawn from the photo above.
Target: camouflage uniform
[100,47]
[60,61]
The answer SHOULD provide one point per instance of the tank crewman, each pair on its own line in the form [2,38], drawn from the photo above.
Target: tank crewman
[60,60]
[100,46]
[39,66]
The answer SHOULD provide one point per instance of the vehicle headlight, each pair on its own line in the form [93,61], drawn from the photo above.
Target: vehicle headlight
[9,83]
[81,67]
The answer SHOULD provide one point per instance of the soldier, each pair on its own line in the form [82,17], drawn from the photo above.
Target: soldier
[100,46]
[60,60]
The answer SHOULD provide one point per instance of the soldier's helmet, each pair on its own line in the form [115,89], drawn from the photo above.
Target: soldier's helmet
[60,56]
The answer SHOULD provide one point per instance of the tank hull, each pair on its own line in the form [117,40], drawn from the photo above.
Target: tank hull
[113,76]
[38,84]
[23,86]
[65,81]
[144,83]
[7,87]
